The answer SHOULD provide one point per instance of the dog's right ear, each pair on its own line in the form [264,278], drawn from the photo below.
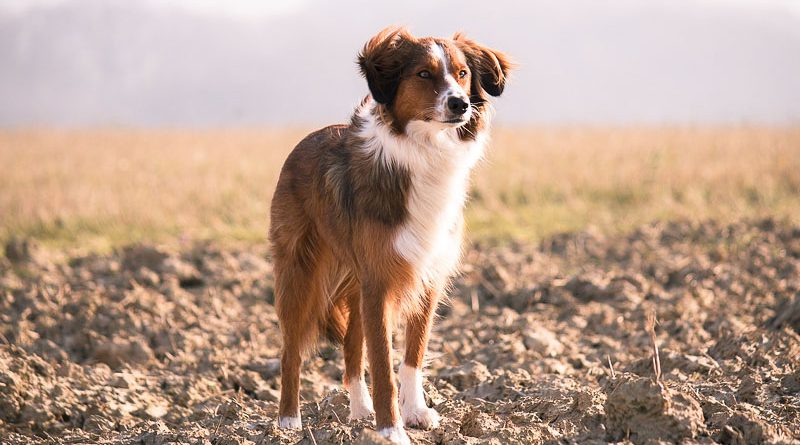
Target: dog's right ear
[382,61]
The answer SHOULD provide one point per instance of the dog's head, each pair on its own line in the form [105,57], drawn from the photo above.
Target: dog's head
[444,82]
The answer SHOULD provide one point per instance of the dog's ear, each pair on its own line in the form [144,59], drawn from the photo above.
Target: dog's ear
[382,61]
[489,67]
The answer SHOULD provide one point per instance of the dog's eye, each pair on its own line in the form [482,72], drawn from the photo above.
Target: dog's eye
[462,74]
[425,74]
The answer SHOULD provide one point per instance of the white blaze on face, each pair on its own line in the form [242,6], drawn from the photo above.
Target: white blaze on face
[453,88]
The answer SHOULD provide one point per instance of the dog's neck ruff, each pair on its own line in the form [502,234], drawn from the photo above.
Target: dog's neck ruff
[422,145]
[438,163]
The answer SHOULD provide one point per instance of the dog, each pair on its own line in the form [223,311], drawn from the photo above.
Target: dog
[367,220]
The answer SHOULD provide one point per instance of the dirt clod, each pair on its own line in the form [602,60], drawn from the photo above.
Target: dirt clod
[645,411]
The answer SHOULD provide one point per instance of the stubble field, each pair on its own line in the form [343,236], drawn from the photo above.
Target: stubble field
[100,189]
[136,291]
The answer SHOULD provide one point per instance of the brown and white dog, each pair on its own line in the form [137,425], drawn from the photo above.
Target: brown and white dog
[367,220]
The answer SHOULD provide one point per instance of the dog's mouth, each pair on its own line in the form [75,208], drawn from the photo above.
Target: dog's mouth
[455,120]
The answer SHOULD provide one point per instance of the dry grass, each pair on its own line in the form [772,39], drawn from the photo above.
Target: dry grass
[103,188]
[537,182]
[97,189]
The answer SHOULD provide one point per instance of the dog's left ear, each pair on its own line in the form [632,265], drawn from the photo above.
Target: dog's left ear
[489,67]
[382,61]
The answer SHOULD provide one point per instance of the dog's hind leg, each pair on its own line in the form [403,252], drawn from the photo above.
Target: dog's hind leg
[301,304]
[354,382]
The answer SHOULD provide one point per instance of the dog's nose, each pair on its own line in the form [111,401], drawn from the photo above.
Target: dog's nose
[457,105]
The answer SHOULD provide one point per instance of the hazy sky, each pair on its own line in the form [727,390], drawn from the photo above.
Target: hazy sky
[268,62]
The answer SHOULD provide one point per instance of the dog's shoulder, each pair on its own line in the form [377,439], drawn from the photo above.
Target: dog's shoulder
[321,141]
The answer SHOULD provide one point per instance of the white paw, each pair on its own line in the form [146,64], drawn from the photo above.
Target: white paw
[395,434]
[360,400]
[291,423]
[413,409]
[358,411]
[420,417]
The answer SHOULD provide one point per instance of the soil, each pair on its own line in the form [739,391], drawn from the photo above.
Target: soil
[538,344]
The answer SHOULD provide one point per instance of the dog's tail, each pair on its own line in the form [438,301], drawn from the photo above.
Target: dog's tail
[335,326]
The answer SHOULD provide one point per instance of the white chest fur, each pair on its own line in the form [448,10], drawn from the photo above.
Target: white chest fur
[429,239]
[439,164]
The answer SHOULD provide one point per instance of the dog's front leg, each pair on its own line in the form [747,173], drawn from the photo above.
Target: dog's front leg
[412,397]
[376,299]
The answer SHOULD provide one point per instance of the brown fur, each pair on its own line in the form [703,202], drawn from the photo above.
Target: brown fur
[335,214]
[332,220]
